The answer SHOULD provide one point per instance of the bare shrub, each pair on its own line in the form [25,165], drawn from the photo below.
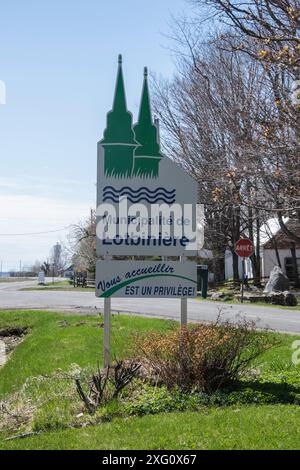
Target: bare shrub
[123,374]
[119,376]
[206,357]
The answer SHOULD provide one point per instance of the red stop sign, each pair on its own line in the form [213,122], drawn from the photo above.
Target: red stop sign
[244,248]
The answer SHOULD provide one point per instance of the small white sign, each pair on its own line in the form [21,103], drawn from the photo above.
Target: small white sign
[146,279]
[41,278]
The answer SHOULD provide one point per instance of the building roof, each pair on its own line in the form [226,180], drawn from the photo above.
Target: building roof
[69,268]
[281,239]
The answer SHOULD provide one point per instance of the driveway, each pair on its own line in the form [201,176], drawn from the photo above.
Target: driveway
[198,310]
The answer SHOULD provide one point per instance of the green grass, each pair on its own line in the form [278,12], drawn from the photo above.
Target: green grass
[264,427]
[55,342]
[58,283]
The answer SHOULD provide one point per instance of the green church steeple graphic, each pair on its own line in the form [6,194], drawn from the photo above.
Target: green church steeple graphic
[130,151]
[119,142]
[147,155]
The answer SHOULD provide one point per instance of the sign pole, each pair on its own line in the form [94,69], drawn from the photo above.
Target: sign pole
[183,312]
[243,280]
[183,305]
[106,332]
[244,248]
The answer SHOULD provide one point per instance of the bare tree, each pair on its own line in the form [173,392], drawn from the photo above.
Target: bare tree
[82,246]
[36,267]
[46,267]
[269,32]
[210,116]
[230,119]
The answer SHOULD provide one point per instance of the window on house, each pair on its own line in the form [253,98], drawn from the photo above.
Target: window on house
[289,268]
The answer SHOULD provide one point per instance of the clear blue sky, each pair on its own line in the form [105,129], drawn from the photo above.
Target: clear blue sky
[58,60]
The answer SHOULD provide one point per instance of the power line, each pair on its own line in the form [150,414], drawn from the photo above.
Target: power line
[34,233]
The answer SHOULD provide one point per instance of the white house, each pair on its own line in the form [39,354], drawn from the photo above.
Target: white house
[277,250]
[273,240]
[229,267]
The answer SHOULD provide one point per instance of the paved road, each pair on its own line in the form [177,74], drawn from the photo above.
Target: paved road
[277,319]
[16,285]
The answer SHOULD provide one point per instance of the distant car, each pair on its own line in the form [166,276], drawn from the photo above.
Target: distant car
[41,278]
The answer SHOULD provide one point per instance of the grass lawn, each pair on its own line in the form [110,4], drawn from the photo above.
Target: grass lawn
[57,283]
[56,342]
[264,427]
[59,286]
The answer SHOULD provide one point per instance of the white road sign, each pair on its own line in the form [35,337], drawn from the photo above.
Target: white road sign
[158,211]
[146,279]
[146,206]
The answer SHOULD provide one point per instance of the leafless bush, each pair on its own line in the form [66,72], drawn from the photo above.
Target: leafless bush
[206,357]
[119,376]
[123,374]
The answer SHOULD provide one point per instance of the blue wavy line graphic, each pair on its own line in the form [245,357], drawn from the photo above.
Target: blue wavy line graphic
[127,193]
[137,191]
[140,198]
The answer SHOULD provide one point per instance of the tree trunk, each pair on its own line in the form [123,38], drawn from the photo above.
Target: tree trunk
[255,258]
[236,233]
[258,257]
[219,267]
[235,267]
[295,266]
[277,254]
